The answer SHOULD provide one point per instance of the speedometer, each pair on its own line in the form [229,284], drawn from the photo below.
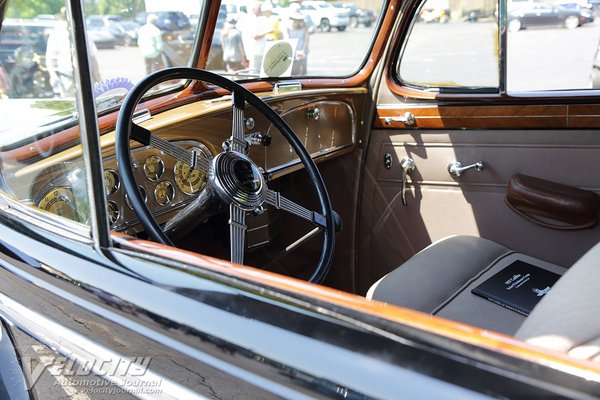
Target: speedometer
[190,181]
[60,201]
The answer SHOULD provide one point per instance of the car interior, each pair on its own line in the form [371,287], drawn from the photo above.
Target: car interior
[427,193]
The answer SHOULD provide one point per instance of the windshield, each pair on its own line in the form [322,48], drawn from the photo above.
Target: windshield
[252,40]
[125,44]
[293,39]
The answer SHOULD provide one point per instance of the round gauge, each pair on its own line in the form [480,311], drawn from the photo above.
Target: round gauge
[111,182]
[189,180]
[60,201]
[144,196]
[164,193]
[154,167]
[113,212]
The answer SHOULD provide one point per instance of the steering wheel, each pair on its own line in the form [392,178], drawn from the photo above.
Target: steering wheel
[235,178]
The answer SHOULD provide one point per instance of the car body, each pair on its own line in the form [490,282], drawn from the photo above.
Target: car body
[177,34]
[23,54]
[283,198]
[102,38]
[99,23]
[587,16]
[325,15]
[541,14]
[358,16]
[131,30]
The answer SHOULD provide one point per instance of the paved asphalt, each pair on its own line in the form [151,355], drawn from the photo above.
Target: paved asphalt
[538,58]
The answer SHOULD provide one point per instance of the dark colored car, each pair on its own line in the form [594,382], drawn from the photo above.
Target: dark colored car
[541,14]
[177,34]
[131,32]
[102,23]
[358,16]
[587,15]
[343,232]
[23,54]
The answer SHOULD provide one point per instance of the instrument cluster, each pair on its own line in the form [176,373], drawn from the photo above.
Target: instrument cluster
[165,184]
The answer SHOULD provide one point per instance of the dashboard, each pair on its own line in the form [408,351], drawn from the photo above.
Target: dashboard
[166,184]
[325,122]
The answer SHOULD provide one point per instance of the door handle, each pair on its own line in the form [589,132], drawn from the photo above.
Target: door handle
[408,119]
[456,168]
[407,164]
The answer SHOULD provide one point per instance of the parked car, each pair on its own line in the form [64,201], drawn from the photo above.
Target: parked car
[325,15]
[131,32]
[586,13]
[540,14]
[358,16]
[23,56]
[350,232]
[111,25]
[177,34]
[102,38]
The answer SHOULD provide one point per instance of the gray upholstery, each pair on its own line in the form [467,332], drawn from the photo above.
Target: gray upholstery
[438,280]
[567,319]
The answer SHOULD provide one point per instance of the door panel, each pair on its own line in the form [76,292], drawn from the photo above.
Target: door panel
[439,205]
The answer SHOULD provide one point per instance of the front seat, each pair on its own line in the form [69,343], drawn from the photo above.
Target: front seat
[438,280]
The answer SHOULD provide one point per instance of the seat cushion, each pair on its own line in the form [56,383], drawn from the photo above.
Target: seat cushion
[567,319]
[438,280]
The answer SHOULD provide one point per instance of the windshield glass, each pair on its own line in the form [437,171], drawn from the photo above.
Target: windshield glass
[127,40]
[283,39]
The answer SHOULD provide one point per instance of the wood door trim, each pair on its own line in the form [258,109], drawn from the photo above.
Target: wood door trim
[491,117]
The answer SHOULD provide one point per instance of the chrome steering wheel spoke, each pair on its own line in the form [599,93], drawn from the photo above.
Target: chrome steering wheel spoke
[237,233]
[237,180]
[237,141]
[280,202]
[192,158]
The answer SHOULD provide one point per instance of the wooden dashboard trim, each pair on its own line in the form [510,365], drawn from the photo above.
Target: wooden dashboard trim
[491,117]
[180,114]
[440,326]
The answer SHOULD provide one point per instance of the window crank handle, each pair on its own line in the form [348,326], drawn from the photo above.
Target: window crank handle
[407,164]
[456,168]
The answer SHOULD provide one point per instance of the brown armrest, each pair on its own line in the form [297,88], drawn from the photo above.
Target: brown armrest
[534,197]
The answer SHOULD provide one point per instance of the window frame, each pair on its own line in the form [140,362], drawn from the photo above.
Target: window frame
[383,30]
[409,12]
[399,55]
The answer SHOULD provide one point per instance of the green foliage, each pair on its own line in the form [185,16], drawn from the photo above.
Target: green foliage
[126,8]
[32,8]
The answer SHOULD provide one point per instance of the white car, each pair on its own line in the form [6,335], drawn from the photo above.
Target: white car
[326,16]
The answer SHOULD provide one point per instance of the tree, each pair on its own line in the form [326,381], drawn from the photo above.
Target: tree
[32,8]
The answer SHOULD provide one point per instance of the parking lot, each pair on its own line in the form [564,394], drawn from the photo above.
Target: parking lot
[538,58]
[326,49]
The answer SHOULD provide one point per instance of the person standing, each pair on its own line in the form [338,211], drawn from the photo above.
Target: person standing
[255,29]
[151,44]
[297,29]
[234,55]
[271,20]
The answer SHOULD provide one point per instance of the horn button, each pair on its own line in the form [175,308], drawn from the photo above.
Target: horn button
[238,180]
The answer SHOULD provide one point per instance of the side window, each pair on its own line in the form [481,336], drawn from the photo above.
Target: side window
[552,47]
[36,102]
[453,44]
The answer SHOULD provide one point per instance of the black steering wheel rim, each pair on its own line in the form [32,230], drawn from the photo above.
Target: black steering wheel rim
[123,133]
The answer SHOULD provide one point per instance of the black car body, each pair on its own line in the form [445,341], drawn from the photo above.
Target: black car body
[177,34]
[95,304]
[358,16]
[541,14]
[23,56]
